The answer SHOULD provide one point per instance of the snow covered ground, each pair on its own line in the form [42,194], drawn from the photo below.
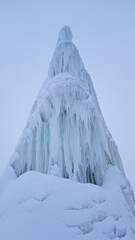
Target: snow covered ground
[36,206]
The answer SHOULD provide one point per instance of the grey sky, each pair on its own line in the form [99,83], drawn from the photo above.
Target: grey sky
[104,33]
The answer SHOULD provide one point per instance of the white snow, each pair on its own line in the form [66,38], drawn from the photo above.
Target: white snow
[38,206]
[66,134]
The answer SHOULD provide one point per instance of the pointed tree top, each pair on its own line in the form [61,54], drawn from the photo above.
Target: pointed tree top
[66,57]
[65,35]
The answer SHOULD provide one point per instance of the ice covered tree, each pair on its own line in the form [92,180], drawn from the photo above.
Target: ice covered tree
[66,133]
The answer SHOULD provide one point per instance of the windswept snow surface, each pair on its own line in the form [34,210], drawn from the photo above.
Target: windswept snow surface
[37,206]
[66,134]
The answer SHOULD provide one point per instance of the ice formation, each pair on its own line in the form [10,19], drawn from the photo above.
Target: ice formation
[66,134]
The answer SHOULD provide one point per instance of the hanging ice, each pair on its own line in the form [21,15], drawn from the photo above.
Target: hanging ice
[66,134]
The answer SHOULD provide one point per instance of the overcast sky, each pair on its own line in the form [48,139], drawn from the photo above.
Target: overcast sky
[104,33]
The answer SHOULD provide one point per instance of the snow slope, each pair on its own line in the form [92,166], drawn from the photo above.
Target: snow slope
[66,134]
[37,206]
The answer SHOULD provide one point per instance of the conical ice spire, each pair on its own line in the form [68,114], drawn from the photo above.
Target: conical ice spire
[66,57]
[65,35]
[66,134]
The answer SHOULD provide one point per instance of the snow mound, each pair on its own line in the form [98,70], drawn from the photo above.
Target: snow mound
[38,206]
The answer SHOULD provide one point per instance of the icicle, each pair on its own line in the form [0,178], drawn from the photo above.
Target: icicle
[66,134]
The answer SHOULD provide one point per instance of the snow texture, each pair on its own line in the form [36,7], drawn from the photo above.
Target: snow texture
[38,206]
[66,134]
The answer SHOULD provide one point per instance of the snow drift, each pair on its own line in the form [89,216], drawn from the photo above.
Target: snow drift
[37,206]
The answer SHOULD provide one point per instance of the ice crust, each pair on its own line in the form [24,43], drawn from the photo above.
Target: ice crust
[66,134]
